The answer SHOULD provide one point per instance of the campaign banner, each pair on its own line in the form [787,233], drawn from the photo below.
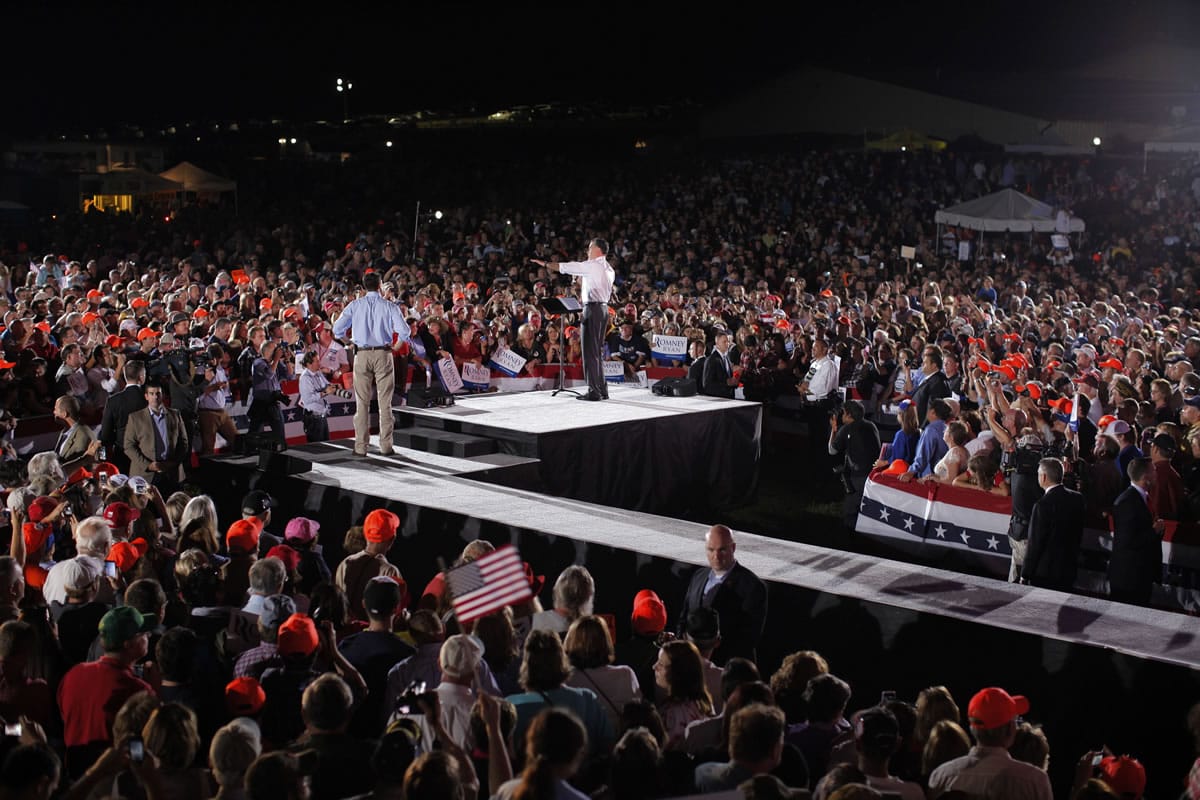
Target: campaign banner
[476,376]
[894,509]
[452,382]
[507,362]
[669,348]
[614,371]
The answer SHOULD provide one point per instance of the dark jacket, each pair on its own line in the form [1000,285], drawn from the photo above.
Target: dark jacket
[1055,532]
[716,377]
[933,387]
[1136,560]
[112,423]
[741,603]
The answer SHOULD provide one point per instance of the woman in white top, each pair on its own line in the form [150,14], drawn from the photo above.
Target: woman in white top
[955,461]
[590,650]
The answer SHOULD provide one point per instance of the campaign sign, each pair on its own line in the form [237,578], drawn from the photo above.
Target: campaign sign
[476,376]
[452,382]
[669,348]
[614,371]
[508,362]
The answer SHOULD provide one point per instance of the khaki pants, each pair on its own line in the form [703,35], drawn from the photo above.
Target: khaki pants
[373,369]
[1018,559]
[212,421]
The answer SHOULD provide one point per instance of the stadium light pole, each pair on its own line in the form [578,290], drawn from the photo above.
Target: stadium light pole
[343,88]
[430,215]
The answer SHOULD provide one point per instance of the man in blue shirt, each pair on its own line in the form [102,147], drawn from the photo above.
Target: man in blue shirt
[373,321]
[932,444]
[267,392]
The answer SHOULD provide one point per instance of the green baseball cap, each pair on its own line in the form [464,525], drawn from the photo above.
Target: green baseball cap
[121,624]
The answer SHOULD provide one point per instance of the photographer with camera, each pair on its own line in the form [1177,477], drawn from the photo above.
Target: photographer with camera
[213,398]
[266,392]
[314,393]
[857,442]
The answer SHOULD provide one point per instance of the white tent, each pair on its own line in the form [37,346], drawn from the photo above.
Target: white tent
[199,181]
[1005,210]
[195,179]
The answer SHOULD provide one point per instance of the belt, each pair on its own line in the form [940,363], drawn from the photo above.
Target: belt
[308,413]
[380,347]
[596,303]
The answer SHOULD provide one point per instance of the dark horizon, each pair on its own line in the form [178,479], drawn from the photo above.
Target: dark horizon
[80,67]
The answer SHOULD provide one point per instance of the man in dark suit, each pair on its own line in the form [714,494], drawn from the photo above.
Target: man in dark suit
[718,369]
[156,442]
[934,385]
[737,595]
[696,368]
[117,411]
[1055,531]
[1136,560]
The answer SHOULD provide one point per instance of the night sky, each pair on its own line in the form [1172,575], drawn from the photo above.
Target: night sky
[74,66]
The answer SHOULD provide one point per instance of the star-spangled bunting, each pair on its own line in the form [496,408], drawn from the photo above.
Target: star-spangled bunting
[982,541]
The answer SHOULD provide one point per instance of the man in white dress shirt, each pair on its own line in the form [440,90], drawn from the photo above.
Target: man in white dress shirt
[598,279]
[820,388]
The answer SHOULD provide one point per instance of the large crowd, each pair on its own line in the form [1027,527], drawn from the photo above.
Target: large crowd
[159,646]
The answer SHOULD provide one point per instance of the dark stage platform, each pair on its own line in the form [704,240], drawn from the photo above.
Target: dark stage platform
[675,455]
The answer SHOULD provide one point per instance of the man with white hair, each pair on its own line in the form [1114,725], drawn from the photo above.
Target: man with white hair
[574,592]
[93,539]
[234,748]
[459,659]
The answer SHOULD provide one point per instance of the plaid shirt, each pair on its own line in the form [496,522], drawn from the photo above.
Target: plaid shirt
[256,660]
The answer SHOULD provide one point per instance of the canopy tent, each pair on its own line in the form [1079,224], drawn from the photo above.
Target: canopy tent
[906,139]
[1182,140]
[1006,210]
[198,180]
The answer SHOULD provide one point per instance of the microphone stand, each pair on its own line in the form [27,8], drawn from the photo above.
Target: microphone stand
[561,306]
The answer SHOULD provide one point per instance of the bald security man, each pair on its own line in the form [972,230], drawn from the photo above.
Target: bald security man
[737,595]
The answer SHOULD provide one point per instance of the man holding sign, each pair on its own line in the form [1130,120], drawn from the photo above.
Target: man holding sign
[598,279]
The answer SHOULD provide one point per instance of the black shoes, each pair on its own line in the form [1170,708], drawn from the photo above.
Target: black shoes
[592,396]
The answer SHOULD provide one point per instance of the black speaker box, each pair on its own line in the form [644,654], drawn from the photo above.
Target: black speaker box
[675,387]
[428,397]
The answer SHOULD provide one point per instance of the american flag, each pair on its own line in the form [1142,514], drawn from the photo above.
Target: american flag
[488,583]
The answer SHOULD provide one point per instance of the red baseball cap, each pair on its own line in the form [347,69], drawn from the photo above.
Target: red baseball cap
[89,318]
[78,476]
[993,707]
[40,508]
[289,557]
[1125,775]
[95,294]
[242,536]
[897,467]
[1110,363]
[146,333]
[297,635]
[649,613]
[244,696]
[126,554]
[113,340]
[380,526]
[139,302]
[118,515]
